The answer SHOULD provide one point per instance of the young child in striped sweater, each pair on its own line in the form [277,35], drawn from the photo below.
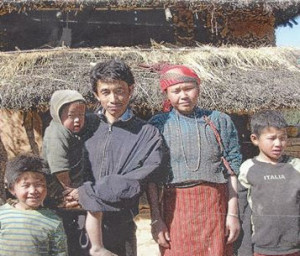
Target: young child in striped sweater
[26,227]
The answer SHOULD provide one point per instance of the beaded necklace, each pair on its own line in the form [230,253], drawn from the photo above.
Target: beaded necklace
[181,141]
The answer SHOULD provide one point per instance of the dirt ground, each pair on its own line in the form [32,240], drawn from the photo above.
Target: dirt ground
[146,246]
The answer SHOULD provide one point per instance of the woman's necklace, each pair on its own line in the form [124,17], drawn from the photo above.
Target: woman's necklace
[181,141]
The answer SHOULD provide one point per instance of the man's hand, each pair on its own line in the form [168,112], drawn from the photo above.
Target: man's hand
[71,198]
[73,195]
[71,205]
[232,228]
[160,233]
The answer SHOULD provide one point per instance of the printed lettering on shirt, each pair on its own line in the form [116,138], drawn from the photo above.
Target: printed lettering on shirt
[274,177]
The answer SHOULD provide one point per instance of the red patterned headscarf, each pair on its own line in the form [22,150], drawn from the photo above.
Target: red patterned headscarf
[175,74]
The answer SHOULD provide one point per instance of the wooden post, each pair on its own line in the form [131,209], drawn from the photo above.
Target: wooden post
[3,160]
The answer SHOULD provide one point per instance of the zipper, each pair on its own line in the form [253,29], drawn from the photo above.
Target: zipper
[104,160]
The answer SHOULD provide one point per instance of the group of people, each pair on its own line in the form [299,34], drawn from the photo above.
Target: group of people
[95,167]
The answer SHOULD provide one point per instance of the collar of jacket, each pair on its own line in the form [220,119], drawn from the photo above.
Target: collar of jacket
[127,115]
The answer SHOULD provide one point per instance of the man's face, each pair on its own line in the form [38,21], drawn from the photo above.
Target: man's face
[73,116]
[114,97]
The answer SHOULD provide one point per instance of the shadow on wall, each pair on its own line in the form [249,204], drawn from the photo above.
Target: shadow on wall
[20,131]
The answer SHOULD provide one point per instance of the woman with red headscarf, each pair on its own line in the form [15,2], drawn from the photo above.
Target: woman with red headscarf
[199,216]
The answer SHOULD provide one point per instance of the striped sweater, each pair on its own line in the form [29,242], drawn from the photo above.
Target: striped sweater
[31,232]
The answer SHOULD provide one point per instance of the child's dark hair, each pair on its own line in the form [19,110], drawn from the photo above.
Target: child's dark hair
[109,71]
[267,118]
[23,163]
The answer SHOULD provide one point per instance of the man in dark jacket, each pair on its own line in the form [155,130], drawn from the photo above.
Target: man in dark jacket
[124,154]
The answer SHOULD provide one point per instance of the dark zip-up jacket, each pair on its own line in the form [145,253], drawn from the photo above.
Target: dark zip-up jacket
[122,156]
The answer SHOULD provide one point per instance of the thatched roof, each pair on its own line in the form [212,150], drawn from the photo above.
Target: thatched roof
[233,79]
[282,9]
[146,3]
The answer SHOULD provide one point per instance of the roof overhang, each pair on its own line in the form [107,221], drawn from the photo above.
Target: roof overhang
[282,9]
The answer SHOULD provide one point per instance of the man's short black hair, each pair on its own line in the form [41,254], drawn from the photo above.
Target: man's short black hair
[23,163]
[109,71]
[267,118]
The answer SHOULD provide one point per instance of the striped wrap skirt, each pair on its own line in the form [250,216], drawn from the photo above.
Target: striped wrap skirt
[195,217]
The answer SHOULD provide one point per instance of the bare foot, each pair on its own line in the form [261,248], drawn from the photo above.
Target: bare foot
[101,252]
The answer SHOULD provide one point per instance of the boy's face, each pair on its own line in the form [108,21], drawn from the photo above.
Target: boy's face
[184,96]
[30,190]
[114,98]
[73,116]
[271,144]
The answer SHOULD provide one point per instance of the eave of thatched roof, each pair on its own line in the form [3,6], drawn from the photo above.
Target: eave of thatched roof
[282,9]
[153,2]
[148,3]
[234,79]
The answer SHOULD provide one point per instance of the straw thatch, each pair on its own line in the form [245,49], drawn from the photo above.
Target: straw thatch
[147,3]
[282,9]
[235,80]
